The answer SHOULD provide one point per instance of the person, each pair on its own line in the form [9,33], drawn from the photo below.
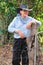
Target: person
[20,26]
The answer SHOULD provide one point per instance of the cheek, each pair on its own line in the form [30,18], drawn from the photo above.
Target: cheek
[23,13]
[26,13]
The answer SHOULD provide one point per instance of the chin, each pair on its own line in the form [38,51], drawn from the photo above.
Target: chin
[25,15]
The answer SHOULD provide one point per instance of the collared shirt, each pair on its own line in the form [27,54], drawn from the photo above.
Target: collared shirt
[20,23]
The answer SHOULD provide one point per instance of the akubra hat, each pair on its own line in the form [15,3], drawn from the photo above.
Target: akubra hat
[23,7]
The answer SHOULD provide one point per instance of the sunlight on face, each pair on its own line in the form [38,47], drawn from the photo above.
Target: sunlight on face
[24,13]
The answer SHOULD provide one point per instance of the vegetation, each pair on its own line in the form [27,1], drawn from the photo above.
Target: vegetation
[8,12]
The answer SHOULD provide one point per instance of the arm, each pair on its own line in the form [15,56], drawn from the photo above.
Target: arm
[33,21]
[36,21]
[11,27]
[28,26]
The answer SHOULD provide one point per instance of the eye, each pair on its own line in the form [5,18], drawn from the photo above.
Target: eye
[25,10]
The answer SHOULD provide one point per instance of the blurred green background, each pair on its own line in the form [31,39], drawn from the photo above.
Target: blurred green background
[8,12]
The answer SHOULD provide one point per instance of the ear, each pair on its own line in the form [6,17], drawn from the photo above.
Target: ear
[20,11]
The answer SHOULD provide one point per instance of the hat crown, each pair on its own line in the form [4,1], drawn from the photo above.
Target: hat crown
[23,6]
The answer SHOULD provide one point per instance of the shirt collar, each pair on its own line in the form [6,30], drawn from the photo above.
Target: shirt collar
[18,14]
[23,20]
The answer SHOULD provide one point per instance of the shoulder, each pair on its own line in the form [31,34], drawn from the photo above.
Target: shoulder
[15,19]
[35,20]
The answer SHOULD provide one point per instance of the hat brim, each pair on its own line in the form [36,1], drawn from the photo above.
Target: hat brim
[27,9]
[18,9]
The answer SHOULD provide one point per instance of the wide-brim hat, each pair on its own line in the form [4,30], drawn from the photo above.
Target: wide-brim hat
[23,7]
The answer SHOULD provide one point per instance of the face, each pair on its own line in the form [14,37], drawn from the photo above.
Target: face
[24,13]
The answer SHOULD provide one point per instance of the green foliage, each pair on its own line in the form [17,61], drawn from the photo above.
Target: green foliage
[0,44]
[40,18]
[40,39]
[8,12]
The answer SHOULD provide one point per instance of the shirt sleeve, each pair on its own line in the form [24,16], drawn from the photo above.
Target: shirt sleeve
[11,27]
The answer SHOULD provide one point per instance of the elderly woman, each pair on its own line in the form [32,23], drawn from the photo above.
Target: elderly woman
[20,26]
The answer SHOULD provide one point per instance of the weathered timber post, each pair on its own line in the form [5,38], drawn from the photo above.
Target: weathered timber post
[32,40]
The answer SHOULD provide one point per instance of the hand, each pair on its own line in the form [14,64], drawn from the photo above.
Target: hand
[33,22]
[21,34]
[29,24]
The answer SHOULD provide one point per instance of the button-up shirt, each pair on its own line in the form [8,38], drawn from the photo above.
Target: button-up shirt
[20,23]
